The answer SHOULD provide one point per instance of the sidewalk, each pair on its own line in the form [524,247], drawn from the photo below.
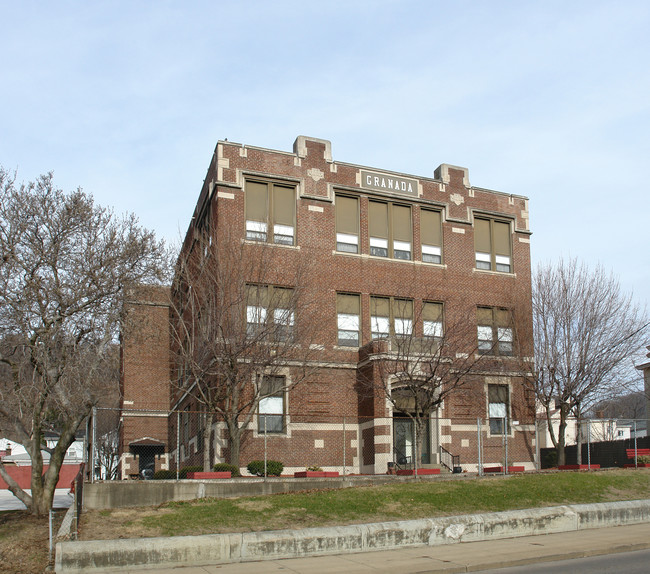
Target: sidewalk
[9,502]
[450,559]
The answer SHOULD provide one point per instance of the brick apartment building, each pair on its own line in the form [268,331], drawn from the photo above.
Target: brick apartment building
[376,258]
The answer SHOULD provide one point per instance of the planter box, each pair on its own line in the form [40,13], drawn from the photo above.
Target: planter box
[511,469]
[578,467]
[639,465]
[204,475]
[315,474]
[421,471]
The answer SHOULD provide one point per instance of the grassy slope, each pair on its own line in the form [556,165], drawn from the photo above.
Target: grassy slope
[367,504]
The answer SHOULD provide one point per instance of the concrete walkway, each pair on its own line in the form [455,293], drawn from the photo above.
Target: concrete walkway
[450,559]
[62,499]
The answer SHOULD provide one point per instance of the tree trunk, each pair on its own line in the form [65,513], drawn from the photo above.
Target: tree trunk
[207,436]
[579,440]
[561,438]
[234,442]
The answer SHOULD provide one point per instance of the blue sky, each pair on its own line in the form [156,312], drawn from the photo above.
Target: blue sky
[550,100]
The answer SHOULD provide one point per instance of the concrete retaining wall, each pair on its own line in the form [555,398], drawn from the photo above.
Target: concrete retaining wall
[120,494]
[152,553]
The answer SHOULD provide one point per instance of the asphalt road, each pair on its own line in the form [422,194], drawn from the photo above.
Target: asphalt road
[628,562]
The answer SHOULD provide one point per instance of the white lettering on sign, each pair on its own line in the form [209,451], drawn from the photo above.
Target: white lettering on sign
[389,183]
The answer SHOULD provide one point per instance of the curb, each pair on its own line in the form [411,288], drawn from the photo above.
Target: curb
[116,555]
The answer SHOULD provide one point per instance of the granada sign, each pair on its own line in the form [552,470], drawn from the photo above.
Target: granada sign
[390,183]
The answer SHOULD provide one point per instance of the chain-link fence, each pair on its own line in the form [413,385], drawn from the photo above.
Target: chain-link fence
[166,445]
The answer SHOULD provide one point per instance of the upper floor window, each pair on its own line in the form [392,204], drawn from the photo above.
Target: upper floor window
[431,236]
[390,230]
[390,316]
[347,224]
[271,405]
[270,212]
[492,245]
[495,335]
[269,311]
[432,320]
[348,311]
[498,406]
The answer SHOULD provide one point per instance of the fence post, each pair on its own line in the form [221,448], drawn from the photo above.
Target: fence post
[344,470]
[93,452]
[636,462]
[505,444]
[265,454]
[178,444]
[480,446]
[589,444]
[538,464]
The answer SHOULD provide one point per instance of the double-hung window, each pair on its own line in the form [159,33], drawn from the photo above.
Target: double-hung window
[282,305]
[495,334]
[347,224]
[271,405]
[389,316]
[431,236]
[270,212]
[390,230]
[348,311]
[432,320]
[270,312]
[492,245]
[498,406]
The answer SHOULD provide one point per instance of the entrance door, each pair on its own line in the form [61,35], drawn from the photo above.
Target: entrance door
[404,441]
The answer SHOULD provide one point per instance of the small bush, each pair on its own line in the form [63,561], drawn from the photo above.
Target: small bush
[225,467]
[186,469]
[273,467]
[314,469]
[643,459]
[164,475]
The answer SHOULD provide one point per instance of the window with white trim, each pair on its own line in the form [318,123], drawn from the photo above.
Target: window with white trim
[432,320]
[272,405]
[498,407]
[270,312]
[495,333]
[492,245]
[390,230]
[348,316]
[390,316]
[431,235]
[270,212]
[347,224]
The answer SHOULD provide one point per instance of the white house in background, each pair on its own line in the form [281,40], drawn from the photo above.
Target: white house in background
[593,430]
[13,453]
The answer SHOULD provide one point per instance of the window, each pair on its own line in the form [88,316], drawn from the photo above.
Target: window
[431,236]
[492,245]
[269,311]
[432,320]
[498,408]
[389,228]
[390,316]
[271,405]
[495,336]
[348,310]
[347,224]
[270,212]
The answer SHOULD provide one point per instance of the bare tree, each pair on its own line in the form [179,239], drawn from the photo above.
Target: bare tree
[418,371]
[106,437]
[587,332]
[244,330]
[65,264]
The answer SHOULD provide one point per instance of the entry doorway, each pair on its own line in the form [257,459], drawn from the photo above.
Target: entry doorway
[404,441]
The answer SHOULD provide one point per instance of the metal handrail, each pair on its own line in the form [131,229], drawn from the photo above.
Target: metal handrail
[449,460]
